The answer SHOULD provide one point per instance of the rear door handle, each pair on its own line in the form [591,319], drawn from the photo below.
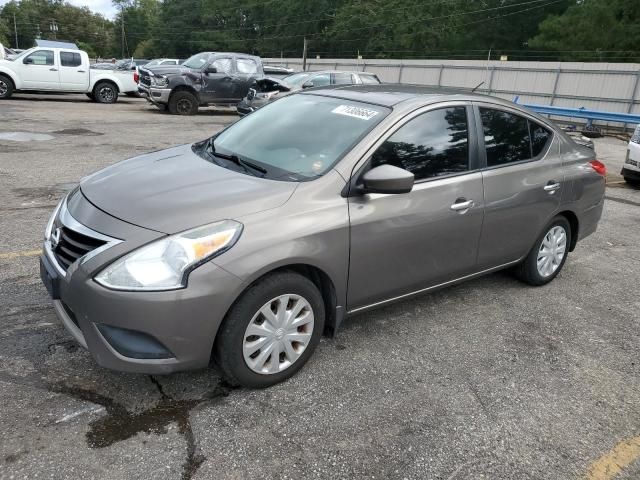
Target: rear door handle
[462,205]
[551,187]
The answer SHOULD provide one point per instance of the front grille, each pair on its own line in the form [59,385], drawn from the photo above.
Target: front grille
[71,245]
[145,77]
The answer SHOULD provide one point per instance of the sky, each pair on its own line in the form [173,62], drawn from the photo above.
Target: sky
[99,6]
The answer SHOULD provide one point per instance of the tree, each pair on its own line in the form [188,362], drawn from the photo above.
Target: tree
[593,30]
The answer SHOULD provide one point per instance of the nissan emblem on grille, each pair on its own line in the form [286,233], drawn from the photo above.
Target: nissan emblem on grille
[55,238]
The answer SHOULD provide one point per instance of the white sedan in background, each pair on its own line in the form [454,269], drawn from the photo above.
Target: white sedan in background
[631,167]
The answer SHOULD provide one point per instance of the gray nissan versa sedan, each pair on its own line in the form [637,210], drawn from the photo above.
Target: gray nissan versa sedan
[246,247]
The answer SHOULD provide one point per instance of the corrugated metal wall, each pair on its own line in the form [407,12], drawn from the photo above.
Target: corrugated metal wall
[612,87]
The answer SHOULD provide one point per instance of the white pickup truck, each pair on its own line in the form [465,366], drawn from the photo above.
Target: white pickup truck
[63,70]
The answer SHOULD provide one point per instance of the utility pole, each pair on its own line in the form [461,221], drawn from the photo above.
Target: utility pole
[304,55]
[122,23]
[15,29]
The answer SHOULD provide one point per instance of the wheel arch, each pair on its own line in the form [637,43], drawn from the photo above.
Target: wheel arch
[185,88]
[8,75]
[572,218]
[317,275]
[106,80]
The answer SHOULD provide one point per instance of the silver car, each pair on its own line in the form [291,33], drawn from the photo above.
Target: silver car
[248,246]
[268,89]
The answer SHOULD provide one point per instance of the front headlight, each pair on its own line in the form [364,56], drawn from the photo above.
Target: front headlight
[166,263]
[159,81]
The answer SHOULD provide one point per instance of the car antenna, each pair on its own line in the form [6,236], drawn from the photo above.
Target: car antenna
[477,86]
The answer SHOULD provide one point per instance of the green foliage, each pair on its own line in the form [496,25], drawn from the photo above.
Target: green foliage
[595,28]
[521,29]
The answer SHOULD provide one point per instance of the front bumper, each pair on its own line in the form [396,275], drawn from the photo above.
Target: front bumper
[155,95]
[243,108]
[181,324]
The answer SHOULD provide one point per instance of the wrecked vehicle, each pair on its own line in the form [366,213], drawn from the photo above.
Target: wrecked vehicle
[267,89]
[205,79]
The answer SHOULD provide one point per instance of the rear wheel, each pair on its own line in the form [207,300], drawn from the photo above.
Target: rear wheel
[105,92]
[271,332]
[634,182]
[183,103]
[548,255]
[6,87]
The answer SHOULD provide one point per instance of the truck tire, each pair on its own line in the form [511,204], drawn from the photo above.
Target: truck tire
[91,96]
[183,103]
[6,87]
[105,92]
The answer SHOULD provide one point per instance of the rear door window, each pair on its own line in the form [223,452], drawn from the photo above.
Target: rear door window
[433,144]
[70,59]
[540,138]
[223,65]
[369,79]
[343,78]
[511,138]
[247,65]
[506,137]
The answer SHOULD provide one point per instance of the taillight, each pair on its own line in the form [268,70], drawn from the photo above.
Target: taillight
[136,77]
[599,167]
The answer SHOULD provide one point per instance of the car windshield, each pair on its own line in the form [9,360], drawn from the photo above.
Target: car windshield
[297,138]
[197,61]
[296,79]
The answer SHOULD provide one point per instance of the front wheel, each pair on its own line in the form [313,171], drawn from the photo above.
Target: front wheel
[105,92]
[548,255]
[6,87]
[183,103]
[271,332]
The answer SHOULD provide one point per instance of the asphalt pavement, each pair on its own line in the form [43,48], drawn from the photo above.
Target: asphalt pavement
[489,379]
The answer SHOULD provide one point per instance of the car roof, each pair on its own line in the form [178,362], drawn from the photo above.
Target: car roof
[390,95]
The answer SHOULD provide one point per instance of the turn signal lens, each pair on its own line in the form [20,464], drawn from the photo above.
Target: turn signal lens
[136,77]
[599,167]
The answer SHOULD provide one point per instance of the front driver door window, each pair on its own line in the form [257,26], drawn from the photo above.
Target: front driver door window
[219,86]
[416,240]
[39,70]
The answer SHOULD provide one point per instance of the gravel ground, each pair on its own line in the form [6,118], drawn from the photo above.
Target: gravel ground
[489,379]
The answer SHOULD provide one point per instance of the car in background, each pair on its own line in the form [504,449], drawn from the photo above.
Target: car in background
[276,71]
[266,89]
[62,70]
[163,61]
[247,246]
[631,168]
[207,78]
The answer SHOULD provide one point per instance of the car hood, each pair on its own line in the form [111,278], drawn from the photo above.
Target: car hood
[168,69]
[173,190]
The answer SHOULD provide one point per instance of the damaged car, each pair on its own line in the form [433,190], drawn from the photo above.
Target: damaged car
[207,78]
[267,89]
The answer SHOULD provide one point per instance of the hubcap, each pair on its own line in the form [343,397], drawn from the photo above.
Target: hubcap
[278,334]
[3,88]
[184,106]
[552,251]
[106,93]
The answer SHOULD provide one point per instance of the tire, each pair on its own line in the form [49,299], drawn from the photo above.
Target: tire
[6,87]
[105,92]
[183,103]
[634,182]
[529,272]
[235,345]
[91,96]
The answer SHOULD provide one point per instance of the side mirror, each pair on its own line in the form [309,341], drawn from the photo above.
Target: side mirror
[387,179]
[211,69]
[28,60]
[308,84]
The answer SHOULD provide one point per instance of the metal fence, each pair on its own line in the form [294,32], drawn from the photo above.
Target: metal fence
[612,87]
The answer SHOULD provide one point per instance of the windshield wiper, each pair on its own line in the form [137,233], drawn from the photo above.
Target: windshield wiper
[237,160]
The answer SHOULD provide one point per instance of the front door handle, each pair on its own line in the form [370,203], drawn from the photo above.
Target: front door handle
[462,205]
[81,71]
[53,69]
[551,187]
